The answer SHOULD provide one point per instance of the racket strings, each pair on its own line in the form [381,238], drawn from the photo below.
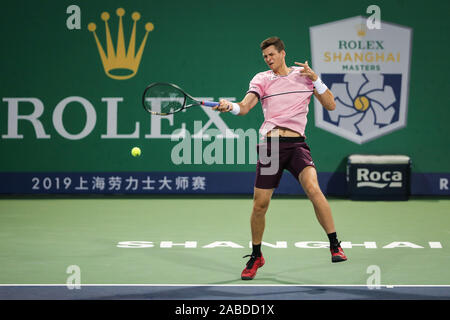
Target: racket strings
[163,99]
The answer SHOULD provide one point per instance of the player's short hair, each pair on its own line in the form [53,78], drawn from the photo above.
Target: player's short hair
[273,41]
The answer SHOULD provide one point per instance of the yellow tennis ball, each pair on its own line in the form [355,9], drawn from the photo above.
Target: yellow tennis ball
[135,152]
[361,103]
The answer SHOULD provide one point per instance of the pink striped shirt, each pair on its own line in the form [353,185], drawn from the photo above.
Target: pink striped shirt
[284,99]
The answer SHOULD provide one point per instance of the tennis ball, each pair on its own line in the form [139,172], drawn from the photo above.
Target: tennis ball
[361,103]
[135,152]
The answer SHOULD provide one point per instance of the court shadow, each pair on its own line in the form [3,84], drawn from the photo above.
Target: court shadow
[212,292]
[245,292]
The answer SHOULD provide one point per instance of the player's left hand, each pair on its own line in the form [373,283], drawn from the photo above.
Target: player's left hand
[307,71]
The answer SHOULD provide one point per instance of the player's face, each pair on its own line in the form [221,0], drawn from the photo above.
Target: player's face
[273,58]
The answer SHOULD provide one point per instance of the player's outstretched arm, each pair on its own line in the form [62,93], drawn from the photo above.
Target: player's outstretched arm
[241,108]
[326,99]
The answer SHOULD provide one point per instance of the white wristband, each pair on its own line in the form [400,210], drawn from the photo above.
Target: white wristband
[320,86]
[236,109]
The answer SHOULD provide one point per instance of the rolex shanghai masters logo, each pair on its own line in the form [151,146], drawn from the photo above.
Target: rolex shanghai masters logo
[368,73]
[120,62]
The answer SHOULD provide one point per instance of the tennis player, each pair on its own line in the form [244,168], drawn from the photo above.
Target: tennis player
[284,93]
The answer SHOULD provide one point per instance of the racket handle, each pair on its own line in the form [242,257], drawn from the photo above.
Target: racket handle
[209,103]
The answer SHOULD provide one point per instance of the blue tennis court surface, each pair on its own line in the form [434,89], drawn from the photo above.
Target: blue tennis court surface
[224,292]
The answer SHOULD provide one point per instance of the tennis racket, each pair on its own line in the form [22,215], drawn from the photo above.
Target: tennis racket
[161,98]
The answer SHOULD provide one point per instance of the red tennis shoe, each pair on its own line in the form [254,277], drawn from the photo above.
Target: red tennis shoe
[252,266]
[337,254]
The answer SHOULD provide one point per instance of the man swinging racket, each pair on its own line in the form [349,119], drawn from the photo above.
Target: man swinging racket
[284,93]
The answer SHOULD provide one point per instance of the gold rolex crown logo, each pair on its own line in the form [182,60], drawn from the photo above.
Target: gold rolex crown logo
[120,60]
[361,30]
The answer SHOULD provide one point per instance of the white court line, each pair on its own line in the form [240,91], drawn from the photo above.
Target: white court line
[225,285]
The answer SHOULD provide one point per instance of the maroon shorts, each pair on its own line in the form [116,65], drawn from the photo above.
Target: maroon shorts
[294,155]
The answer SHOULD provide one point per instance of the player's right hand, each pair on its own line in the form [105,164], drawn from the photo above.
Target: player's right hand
[224,106]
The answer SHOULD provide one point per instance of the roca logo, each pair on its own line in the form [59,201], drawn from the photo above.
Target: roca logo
[377,179]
